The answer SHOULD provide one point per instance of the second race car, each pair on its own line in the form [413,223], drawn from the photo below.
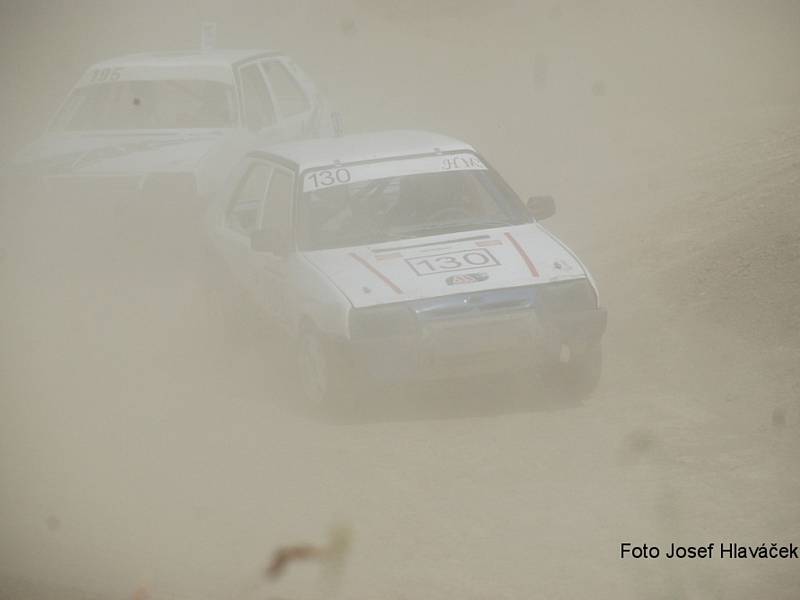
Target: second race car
[174,119]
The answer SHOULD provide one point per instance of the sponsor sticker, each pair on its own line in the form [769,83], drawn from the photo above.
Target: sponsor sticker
[562,266]
[466,278]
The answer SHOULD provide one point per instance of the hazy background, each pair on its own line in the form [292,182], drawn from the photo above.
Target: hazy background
[139,446]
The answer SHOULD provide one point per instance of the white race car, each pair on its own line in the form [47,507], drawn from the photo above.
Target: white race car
[403,255]
[174,120]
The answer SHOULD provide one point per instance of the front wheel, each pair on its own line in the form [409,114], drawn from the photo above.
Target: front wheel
[325,380]
[579,376]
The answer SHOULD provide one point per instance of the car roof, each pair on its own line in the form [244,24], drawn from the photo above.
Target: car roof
[361,147]
[181,58]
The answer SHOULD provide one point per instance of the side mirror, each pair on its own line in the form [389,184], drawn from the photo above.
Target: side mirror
[541,207]
[269,240]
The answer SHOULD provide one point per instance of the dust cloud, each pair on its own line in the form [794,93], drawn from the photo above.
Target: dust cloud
[152,448]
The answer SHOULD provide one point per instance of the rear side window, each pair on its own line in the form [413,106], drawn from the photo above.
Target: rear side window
[258,107]
[289,94]
[245,210]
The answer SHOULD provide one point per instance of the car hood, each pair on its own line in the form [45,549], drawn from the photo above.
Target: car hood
[115,153]
[453,263]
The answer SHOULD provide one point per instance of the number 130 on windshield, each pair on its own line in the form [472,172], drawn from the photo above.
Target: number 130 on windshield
[328,177]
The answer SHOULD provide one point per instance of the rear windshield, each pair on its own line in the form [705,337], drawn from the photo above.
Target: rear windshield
[157,104]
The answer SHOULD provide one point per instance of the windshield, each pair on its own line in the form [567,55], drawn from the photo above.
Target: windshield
[157,104]
[404,206]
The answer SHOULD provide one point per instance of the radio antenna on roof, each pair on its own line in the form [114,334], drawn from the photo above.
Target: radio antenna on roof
[208,36]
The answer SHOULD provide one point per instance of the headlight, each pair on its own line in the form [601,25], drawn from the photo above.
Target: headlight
[566,296]
[382,321]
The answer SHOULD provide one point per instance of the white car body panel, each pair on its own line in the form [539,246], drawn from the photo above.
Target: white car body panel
[303,292]
[110,153]
[509,256]
[209,155]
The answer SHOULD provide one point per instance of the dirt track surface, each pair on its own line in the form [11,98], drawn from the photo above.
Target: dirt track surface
[141,445]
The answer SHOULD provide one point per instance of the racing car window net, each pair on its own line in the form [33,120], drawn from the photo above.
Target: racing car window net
[158,104]
[243,215]
[288,93]
[408,206]
[258,107]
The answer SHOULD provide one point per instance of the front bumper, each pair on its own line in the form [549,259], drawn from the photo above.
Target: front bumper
[445,343]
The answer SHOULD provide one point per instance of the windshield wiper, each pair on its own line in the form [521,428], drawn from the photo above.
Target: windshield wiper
[370,237]
[452,228]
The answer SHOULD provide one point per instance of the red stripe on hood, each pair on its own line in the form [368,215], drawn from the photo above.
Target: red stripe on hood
[383,277]
[524,255]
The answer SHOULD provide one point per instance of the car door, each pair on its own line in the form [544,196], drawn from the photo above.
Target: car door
[242,216]
[277,218]
[294,102]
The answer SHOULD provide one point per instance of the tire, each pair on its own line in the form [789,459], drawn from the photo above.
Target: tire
[325,378]
[579,377]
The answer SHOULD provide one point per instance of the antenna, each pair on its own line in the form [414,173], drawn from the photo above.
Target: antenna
[208,36]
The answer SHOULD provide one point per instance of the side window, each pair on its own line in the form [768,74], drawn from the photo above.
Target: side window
[243,214]
[278,207]
[258,109]
[288,93]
